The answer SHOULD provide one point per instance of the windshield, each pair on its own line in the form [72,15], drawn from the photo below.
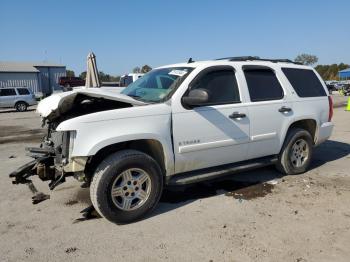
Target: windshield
[157,85]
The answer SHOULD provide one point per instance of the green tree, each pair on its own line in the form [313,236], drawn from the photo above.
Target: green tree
[83,75]
[330,72]
[107,78]
[145,69]
[70,73]
[306,59]
[136,70]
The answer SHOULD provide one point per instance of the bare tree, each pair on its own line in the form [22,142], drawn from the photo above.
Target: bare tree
[306,59]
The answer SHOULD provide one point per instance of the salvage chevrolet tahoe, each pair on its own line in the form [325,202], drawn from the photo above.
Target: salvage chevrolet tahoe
[180,124]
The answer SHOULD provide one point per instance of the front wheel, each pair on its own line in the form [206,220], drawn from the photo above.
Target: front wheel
[126,186]
[296,153]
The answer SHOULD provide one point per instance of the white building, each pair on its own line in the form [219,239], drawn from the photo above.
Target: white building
[40,77]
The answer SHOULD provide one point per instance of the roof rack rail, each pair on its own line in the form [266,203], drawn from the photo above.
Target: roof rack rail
[256,58]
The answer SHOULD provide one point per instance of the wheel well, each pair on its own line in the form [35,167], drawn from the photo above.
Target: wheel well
[21,102]
[150,147]
[306,124]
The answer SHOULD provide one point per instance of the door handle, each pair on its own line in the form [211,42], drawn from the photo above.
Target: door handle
[236,115]
[284,109]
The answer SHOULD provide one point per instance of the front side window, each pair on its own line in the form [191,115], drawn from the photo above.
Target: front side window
[23,91]
[157,85]
[263,84]
[221,86]
[7,92]
[304,82]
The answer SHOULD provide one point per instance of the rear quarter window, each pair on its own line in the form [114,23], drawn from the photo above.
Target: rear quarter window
[305,82]
[23,91]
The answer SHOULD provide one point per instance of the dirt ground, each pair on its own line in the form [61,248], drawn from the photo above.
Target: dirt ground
[244,218]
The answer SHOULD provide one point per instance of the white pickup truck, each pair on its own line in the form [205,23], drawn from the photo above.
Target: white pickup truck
[180,124]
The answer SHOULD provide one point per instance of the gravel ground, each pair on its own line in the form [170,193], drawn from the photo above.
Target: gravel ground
[296,218]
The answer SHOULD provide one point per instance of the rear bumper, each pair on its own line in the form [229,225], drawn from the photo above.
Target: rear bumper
[324,132]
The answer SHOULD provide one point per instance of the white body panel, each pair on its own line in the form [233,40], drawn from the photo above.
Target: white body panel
[203,133]
[98,130]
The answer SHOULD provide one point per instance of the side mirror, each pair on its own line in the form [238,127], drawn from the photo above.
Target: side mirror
[196,97]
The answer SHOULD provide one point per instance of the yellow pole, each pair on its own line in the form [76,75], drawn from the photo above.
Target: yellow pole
[348,106]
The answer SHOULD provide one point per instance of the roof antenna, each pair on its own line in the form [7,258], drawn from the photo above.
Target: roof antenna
[190,60]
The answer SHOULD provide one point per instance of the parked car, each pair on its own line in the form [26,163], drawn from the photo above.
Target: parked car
[338,85]
[110,84]
[127,79]
[181,124]
[17,97]
[331,88]
[71,81]
[345,90]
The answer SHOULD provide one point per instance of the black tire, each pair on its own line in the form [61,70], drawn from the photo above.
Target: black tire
[108,171]
[21,106]
[285,164]
[67,85]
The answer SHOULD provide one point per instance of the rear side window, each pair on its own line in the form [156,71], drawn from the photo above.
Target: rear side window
[221,86]
[304,82]
[23,91]
[7,92]
[263,84]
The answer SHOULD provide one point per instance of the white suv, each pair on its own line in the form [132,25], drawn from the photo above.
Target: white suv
[180,124]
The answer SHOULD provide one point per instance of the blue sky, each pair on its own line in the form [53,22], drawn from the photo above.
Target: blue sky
[125,34]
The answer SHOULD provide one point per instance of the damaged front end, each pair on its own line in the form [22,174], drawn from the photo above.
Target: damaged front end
[51,163]
[53,159]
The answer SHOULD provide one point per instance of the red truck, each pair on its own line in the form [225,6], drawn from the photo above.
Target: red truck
[71,81]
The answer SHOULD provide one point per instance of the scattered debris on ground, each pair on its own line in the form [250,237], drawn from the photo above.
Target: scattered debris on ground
[71,250]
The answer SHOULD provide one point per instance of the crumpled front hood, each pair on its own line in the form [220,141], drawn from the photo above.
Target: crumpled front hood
[57,104]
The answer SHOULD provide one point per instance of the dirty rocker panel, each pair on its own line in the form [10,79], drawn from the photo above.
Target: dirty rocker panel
[219,171]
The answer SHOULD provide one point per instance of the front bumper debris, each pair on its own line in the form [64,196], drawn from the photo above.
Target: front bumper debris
[43,166]
[21,176]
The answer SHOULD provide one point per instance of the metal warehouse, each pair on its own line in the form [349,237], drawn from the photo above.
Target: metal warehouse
[40,77]
[344,74]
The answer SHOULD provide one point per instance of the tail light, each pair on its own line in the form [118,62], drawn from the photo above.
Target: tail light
[330,112]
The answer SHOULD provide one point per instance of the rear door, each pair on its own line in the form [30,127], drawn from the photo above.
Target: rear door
[211,135]
[7,97]
[269,110]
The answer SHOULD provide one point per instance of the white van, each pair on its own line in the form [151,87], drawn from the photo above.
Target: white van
[126,80]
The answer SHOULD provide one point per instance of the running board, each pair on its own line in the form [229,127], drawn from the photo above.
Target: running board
[219,171]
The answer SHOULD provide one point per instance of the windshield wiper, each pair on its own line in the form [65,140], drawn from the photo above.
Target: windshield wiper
[135,97]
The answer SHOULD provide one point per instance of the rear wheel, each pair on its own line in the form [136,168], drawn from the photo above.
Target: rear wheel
[126,186]
[296,153]
[21,106]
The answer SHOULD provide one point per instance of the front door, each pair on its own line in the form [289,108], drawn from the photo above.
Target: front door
[216,133]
